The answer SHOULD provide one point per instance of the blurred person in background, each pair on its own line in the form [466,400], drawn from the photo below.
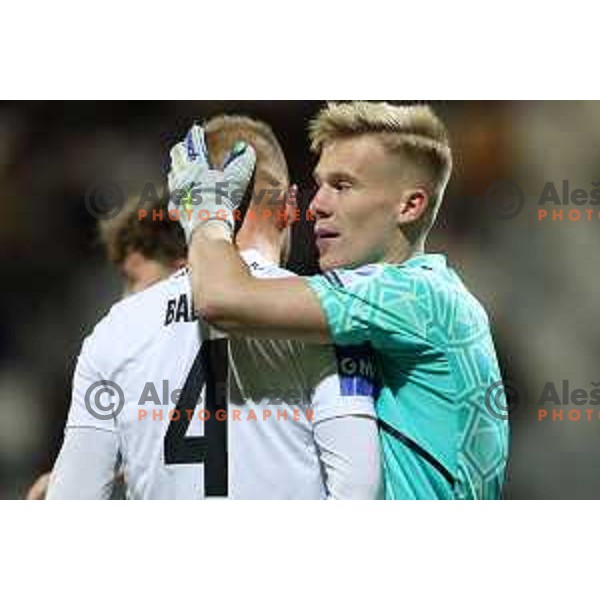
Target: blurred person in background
[145,251]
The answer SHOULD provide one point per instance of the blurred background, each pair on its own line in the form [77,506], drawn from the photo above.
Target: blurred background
[538,279]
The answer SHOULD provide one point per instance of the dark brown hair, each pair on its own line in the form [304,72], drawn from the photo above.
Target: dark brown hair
[159,240]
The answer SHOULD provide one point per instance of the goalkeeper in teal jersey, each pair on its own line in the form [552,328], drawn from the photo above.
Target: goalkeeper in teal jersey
[436,359]
[381,177]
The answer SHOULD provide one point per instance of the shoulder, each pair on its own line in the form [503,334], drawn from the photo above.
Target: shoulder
[348,279]
[142,307]
[136,318]
[423,275]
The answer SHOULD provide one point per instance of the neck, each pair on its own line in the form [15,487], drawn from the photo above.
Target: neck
[401,250]
[262,236]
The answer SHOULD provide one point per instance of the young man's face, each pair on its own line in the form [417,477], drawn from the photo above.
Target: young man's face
[356,203]
[140,272]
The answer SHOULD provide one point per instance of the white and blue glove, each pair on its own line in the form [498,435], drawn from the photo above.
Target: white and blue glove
[202,194]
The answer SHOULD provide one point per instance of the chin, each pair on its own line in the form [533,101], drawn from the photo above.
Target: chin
[327,263]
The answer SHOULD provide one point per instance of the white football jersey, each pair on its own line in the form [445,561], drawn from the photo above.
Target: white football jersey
[289,387]
[188,422]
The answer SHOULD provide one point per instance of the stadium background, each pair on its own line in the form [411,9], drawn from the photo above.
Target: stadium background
[539,280]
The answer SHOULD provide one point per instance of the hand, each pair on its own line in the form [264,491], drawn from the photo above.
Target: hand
[201,194]
[39,489]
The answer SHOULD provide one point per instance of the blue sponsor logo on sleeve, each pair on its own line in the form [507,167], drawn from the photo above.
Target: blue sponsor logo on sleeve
[356,371]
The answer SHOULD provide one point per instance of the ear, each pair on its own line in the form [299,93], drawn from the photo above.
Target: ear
[290,206]
[178,263]
[413,205]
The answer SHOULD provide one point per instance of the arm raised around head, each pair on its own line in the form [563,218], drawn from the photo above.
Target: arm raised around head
[229,298]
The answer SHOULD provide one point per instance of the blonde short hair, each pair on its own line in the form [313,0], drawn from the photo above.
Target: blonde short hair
[224,130]
[413,131]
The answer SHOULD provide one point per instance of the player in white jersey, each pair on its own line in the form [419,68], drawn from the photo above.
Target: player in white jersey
[298,427]
[143,252]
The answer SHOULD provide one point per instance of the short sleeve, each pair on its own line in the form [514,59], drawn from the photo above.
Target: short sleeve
[379,304]
[347,385]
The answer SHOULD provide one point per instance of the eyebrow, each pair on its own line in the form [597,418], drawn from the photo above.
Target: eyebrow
[334,175]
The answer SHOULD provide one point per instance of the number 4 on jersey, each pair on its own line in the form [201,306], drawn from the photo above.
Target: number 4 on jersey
[208,373]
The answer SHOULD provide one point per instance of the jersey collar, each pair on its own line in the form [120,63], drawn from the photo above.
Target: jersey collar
[254,256]
[428,261]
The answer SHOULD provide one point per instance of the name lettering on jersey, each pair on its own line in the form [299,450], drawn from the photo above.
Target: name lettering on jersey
[179,310]
[356,370]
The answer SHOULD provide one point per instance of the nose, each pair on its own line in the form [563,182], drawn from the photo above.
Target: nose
[320,205]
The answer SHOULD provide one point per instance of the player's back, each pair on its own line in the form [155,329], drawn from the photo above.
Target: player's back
[146,346]
[176,435]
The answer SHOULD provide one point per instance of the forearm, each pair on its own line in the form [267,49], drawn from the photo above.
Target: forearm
[218,274]
[227,296]
[85,468]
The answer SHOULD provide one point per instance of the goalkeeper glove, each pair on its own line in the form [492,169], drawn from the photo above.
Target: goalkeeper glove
[200,193]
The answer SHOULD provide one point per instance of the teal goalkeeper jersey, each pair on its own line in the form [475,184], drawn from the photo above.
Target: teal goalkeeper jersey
[436,359]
